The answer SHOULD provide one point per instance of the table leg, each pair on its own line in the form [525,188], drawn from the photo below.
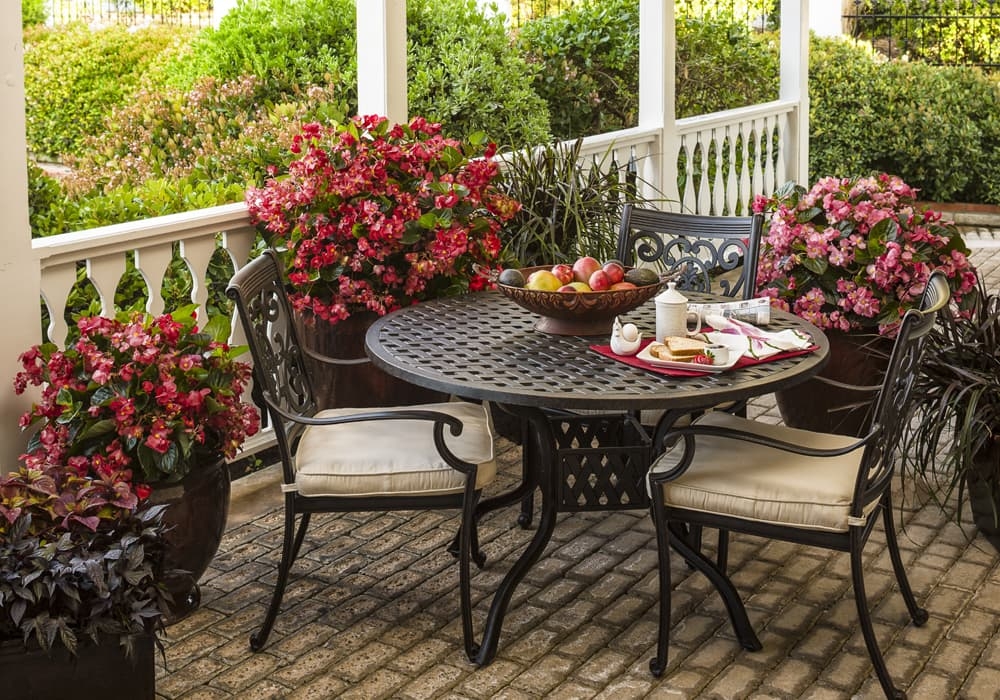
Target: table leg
[541,471]
[731,598]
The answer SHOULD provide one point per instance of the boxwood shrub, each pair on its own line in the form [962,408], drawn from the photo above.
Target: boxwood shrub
[75,76]
[937,127]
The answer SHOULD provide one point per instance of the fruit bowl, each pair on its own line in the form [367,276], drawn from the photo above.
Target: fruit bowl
[577,313]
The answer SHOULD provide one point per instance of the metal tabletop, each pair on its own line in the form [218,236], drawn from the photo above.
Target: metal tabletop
[484,346]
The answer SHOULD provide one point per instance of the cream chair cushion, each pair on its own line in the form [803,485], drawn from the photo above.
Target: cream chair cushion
[763,484]
[396,457]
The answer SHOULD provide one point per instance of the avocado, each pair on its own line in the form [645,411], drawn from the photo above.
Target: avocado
[641,276]
[511,277]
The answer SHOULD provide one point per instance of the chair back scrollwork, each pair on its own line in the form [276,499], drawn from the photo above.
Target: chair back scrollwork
[718,253]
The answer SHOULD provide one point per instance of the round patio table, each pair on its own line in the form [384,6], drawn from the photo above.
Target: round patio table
[484,346]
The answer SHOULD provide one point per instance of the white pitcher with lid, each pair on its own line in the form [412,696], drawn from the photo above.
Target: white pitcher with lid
[672,315]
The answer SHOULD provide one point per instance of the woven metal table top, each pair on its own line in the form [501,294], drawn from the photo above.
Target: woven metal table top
[484,346]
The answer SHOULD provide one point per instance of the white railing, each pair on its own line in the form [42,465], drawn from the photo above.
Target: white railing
[103,253]
[726,158]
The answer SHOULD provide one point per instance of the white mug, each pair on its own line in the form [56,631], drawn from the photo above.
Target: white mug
[672,315]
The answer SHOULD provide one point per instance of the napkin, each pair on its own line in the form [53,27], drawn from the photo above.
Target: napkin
[750,341]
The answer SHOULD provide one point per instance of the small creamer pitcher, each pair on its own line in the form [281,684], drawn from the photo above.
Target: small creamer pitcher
[672,315]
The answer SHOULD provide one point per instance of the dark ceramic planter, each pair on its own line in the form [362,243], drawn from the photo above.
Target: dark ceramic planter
[98,672]
[859,360]
[195,519]
[981,496]
[358,383]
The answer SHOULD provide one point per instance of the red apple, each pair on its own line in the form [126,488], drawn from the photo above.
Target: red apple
[622,285]
[584,267]
[599,281]
[615,270]
[563,272]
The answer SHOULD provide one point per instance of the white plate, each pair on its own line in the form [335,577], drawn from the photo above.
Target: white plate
[689,366]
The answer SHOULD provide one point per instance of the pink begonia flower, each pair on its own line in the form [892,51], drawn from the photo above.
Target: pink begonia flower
[863,259]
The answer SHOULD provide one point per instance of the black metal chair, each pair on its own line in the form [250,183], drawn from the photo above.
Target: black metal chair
[717,254]
[800,486]
[428,456]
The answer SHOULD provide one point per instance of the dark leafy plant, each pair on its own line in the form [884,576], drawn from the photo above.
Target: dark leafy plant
[569,207]
[954,435]
[80,558]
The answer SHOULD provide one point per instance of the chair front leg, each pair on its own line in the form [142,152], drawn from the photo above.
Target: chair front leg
[917,613]
[289,550]
[658,664]
[865,618]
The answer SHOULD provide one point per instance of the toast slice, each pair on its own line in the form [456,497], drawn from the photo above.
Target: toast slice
[678,349]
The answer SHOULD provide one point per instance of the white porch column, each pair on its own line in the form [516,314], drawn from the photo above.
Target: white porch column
[220,8]
[795,81]
[657,83]
[826,16]
[20,278]
[382,59]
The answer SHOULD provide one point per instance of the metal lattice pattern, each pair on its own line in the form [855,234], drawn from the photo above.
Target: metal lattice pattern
[602,462]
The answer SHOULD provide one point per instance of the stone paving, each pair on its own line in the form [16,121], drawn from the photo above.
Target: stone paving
[371,610]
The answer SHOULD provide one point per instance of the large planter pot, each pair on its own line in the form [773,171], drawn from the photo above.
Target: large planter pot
[98,672]
[856,359]
[981,496]
[356,383]
[195,519]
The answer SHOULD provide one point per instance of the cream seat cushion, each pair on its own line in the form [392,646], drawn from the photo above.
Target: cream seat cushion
[764,484]
[395,457]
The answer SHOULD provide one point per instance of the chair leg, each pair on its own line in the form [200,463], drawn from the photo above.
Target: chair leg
[865,618]
[289,550]
[455,548]
[658,664]
[917,614]
[467,540]
[722,554]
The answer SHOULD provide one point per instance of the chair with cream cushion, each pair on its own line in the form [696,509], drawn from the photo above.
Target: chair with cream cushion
[429,456]
[795,485]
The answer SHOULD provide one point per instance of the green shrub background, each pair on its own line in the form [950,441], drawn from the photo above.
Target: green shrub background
[74,76]
[162,120]
[937,127]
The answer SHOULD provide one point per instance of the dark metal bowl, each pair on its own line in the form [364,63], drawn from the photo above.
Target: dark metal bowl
[577,313]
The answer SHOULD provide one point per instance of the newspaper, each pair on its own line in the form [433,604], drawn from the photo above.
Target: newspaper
[756,311]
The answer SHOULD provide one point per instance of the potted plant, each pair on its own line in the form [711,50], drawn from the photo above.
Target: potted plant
[569,207]
[852,255]
[371,217]
[81,558]
[158,398]
[952,442]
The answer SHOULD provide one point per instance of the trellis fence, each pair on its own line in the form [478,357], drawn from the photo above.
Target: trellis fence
[941,32]
[133,13]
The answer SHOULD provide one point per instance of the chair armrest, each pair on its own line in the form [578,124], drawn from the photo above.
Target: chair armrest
[866,388]
[689,433]
[439,418]
[339,361]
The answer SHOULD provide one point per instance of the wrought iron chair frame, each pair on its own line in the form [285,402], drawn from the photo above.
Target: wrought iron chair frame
[282,387]
[872,484]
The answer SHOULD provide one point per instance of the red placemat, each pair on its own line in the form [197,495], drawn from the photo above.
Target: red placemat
[744,361]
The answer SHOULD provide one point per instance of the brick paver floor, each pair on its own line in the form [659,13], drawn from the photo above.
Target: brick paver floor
[371,610]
